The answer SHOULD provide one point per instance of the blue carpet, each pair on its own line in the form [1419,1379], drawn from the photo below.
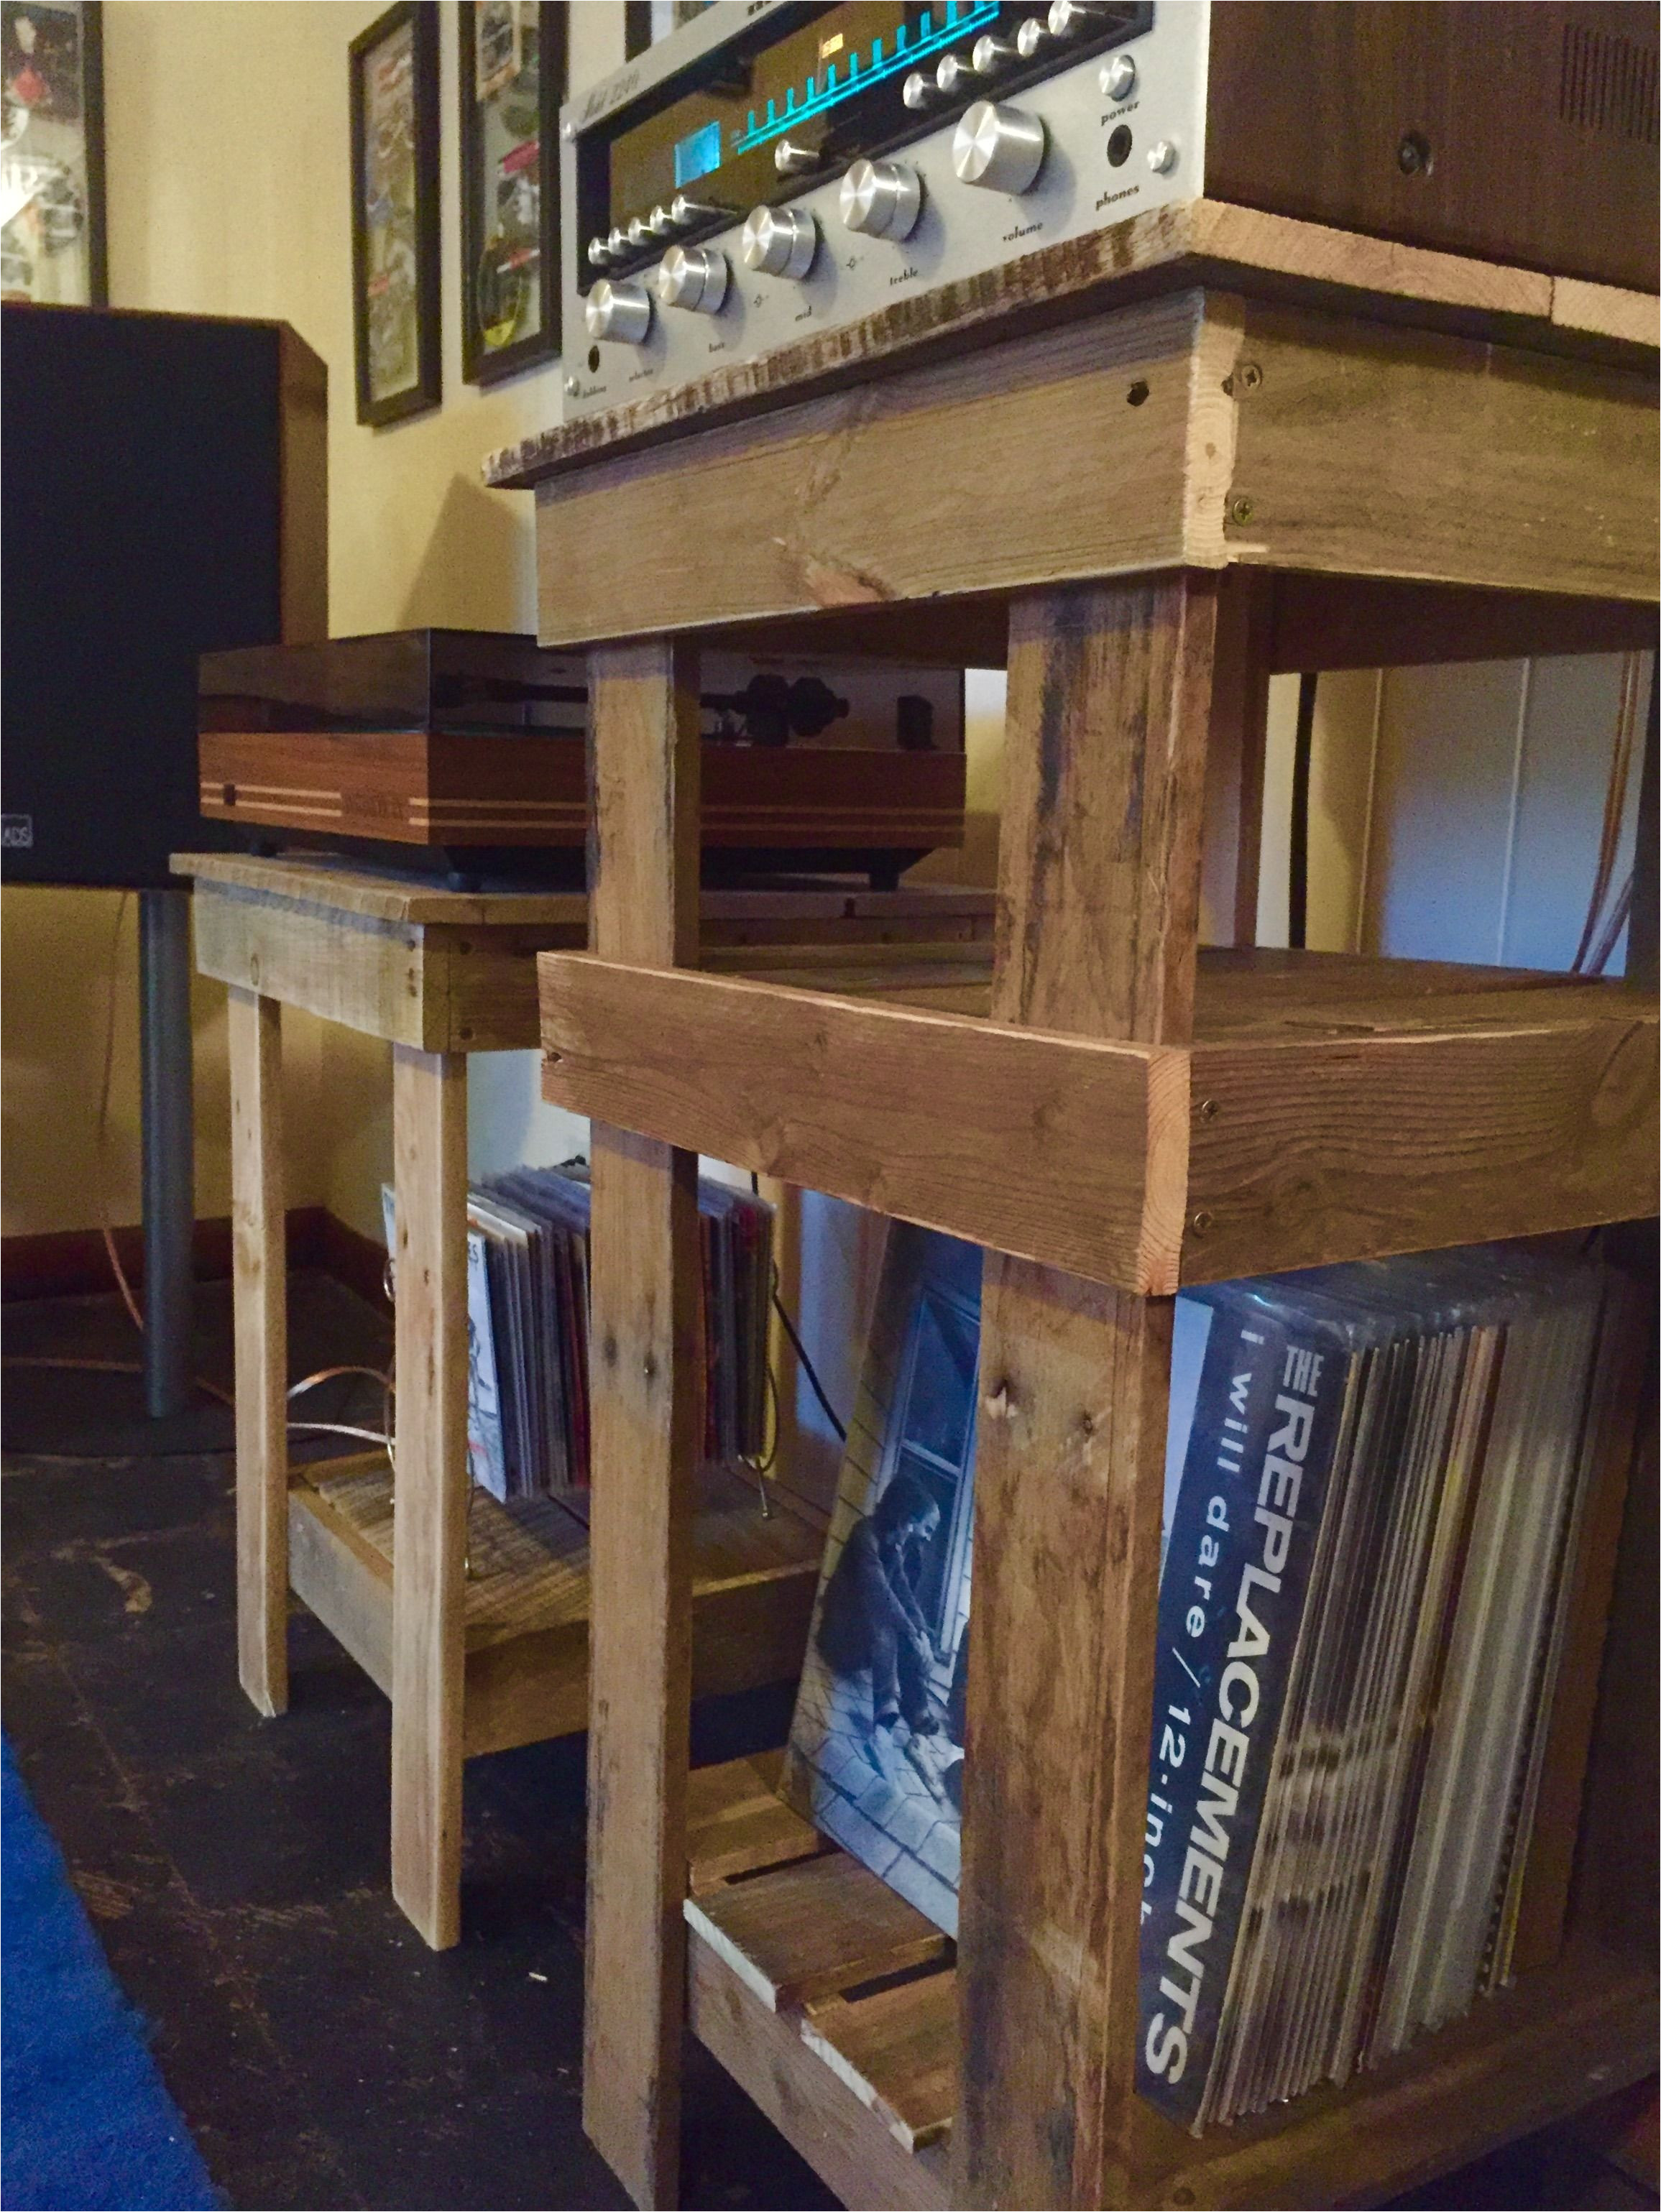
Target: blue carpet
[87,2123]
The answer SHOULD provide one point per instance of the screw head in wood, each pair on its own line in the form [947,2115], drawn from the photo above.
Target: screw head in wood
[1200,1222]
[1207,1110]
[1241,509]
[1250,376]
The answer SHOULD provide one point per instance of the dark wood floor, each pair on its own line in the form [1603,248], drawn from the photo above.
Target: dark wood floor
[236,1871]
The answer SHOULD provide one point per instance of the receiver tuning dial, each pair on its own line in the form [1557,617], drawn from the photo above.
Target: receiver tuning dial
[780,241]
[693,276]
[619,310]
[998,146]
[881,198]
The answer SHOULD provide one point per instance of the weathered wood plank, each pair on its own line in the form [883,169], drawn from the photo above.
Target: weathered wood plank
[430,1170]
[802,1931]
[260,1293]
[344,1582]
[647,1422]
[1099,905]
[897,2049]
[847,2146]
[1367,451]
[610,541]
[1065,1148]
[1350,1146]
[736,1822]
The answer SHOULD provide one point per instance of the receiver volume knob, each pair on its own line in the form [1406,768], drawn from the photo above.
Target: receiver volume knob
[780,241]
[882,199]
[693,276]
[1002,148]
[620,311]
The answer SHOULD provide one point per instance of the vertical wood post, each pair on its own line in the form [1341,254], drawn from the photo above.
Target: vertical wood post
[259,1288]
[1110,695]
[646,1359]
[1235,753]
[429,1513]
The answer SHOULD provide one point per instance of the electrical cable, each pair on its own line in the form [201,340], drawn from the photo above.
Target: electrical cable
[807,1368]
[1302,746]
[1615,813]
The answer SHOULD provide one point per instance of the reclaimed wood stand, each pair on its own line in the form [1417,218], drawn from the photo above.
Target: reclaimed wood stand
[1255,446]
[471,1617]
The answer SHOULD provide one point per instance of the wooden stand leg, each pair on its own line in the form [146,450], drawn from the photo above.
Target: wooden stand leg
[429,1523]
[646,1364]
[1108,700]
[260,1293]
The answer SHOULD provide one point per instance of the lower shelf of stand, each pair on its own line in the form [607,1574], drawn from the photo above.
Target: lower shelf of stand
[527,1594]
[834,2006]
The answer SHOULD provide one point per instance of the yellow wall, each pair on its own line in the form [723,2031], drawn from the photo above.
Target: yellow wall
[227,152]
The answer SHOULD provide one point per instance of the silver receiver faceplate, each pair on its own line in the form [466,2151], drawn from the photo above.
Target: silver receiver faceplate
[1086,145]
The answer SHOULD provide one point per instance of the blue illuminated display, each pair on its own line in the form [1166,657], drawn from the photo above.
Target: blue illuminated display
[958,20]
[698,153]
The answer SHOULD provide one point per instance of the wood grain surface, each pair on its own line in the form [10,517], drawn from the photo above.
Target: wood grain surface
[259,1286]
[429,1174]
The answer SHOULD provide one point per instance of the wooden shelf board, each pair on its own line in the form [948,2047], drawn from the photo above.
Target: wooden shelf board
[737,1824]
[528,1598]
[1330,1107]
[809,1962]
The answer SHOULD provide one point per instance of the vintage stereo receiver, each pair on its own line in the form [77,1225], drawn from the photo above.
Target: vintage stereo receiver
[773,171]
[470,744]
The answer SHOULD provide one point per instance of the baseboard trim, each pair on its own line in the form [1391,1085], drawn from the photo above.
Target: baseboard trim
[73,1263]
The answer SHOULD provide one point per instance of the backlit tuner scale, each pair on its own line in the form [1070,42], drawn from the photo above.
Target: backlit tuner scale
[772,172]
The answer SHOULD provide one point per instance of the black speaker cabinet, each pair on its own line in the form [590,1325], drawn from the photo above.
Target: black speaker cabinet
[164,494]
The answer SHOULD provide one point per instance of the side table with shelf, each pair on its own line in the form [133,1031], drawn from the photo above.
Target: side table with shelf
[477,1660]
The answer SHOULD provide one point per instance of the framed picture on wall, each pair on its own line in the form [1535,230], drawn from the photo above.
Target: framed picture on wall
[52,152]
[512,79]
[395,250]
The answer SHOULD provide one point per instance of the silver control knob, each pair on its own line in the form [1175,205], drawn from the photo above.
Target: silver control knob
[640,233]
[1075,19]
[780,241]
[954,76]
[1162,158]
[693,276]
[881,198]
[1002,148]
[660,222]
[1119,77]
[988,55]
[618,243]
[620,311]
[920,91]
[1031,37]
[791,161]
[599,253]
[685,212]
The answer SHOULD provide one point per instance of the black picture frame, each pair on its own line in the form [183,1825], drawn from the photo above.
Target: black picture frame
[483,363]
[420,277]
[77,109]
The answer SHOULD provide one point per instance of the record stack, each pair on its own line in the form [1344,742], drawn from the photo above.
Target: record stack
[527,1326]
[1368,1587]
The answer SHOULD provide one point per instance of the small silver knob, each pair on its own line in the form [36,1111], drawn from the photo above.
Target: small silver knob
[1002,148]
[881,198]
[792,161]
[621,312]
[1162,158]
[660,222]
[1119,77]
[685,211]
[1031,37]
[599,253]
[780,241]
[693,276]
[1076,19]
[618,243]
[988,55]
[920,91]
[954,76]
[640,233]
